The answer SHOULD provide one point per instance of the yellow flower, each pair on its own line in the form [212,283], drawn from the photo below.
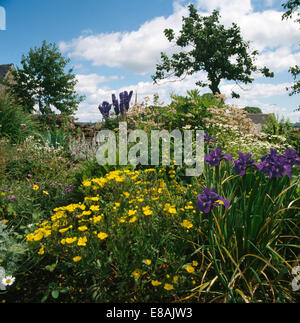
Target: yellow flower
[133,219]
[175,279]
[102,235]
[35,187]
[155,283]
[82,228]
[172,210]
[77,258]
[3,194]
[65,229]
[119,179]
[190,269]
[46,192]
[96,219]
[38,236]
[149,170]
[86,183]
[126,194]
[95,198]
[41,251]
[147,211]
[167,206]
[131,212]
[195,263]
[147,262]
[122,219]
[86,213]
[168,287]
[82,241]
[117,204]
[136,273]
[94,207]
[71,240]
[186,224]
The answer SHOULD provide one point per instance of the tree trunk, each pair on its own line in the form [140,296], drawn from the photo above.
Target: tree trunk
[214,86]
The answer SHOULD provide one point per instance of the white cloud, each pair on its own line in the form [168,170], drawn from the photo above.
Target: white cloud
[227,7]
[280,59]
[253,91]
[136,51]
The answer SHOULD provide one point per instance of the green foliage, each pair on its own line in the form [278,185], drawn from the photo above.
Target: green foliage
[213,47]
[56,138]
[277,126]
[15,124]
[247,235]
[254,110]
[42,81]
[292,6]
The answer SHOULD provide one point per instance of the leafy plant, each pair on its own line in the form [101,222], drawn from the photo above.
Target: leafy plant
[42,80]
[15,124]
[220,52]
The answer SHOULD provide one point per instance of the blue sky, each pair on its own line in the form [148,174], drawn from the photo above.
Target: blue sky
[114,46]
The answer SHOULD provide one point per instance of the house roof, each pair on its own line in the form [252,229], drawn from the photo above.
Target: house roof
[4,70]
[259,118]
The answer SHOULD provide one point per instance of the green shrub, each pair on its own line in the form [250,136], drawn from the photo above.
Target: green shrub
[15,124]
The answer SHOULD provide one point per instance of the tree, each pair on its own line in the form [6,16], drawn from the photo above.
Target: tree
[42,81]
[292,7]
[253,110]
[221,52]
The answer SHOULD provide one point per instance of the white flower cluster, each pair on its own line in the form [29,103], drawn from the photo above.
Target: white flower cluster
[234,140]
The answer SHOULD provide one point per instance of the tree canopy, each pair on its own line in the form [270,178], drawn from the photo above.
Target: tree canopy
[253,110]
[43,82]
[209,47]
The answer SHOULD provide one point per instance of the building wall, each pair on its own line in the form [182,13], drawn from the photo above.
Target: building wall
[9,78]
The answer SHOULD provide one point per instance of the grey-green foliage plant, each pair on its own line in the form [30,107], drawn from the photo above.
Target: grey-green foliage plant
[42,81]
[11,251]
[222,53]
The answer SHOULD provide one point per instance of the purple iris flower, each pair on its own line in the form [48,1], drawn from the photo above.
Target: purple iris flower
[208,138]
[291,157]
[116,104]
[208,199]
[125,100]
[275,165]
[105,108]
[215,156]
[244,161]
